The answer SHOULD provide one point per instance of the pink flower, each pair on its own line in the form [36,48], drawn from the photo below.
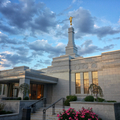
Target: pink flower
[58,115]
[82,116]
[89,118]
[70,118]
[76,115]
[68,113]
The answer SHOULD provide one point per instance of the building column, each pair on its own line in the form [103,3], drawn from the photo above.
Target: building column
[21,81]
[90,78]
[6,89]
[45,90]
[2,89]
[82,83]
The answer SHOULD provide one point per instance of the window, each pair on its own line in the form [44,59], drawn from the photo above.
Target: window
[78,85]
[86,82]
[95,77]
[36,91]
[0,89]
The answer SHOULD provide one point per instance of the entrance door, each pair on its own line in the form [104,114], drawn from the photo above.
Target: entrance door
[15,92]
[36,91]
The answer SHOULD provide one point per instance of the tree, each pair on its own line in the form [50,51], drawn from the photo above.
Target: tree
[24,88]
[95,89]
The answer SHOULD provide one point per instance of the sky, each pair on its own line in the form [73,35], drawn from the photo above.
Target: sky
[32,32]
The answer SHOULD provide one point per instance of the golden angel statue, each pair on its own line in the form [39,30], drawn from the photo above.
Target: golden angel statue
[70,20]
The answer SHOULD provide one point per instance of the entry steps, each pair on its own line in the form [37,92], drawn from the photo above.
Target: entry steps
[38,115]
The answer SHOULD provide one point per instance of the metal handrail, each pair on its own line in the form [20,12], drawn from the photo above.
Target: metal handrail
[53,106]
[33,105]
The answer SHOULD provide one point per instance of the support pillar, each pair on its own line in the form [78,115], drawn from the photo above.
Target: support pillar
[90,78]
[82,83]
[2,89]
[21,81]
[45,90]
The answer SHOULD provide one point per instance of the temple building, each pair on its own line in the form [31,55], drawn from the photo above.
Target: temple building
[69,74]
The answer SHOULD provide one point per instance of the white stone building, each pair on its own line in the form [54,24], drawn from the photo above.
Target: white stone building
[69,74]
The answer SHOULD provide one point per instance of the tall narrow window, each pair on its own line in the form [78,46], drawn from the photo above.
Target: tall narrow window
[86,82]
[95,77]
[0,89]
[78,85]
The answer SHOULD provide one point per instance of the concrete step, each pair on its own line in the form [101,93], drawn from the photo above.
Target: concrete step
[38,115]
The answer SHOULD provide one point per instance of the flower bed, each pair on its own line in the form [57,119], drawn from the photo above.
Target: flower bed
[84,114]
[106,110]
[5,112]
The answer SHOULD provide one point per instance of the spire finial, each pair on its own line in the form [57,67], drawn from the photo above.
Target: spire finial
[70,20]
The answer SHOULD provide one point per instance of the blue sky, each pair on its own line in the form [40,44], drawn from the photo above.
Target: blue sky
[32,32]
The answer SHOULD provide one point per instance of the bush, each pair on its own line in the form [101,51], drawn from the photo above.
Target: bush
[84,114]
[26,98]
[111,101]
[12,98]
[99,99]
[19,98]
[2,105]
[5,112]
[89,98]
[67,102]
[70,98]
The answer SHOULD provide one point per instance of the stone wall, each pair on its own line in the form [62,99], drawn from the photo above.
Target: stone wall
[106,111]
[64,68]
[61,89]
[16,107]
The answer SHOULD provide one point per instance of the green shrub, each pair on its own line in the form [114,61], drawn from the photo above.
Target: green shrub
[5,112]
[26,98]
[70,98]
[19,98]
[89,98]
[2,105]
[100,99]
[111,101]
[67,102]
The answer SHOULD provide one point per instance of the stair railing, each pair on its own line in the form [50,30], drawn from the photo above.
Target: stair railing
[33,106]
[53,108]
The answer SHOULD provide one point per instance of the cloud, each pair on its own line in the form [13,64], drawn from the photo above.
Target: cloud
[43,46]
[73,1]
[88,48]
[44,22]
[106,30]
[8,29]
[84,24]
[41,63]
[22,51]
[27,15]
[13,59]
[5,40]
[111,39]
[63,12]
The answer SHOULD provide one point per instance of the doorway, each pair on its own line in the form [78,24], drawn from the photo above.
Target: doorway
[36,91]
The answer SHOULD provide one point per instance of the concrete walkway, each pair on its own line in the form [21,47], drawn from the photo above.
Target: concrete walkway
[39,114]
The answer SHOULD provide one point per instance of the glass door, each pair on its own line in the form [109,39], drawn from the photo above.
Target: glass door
[36,91]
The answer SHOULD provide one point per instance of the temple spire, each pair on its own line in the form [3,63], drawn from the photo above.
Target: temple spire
[71,49]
